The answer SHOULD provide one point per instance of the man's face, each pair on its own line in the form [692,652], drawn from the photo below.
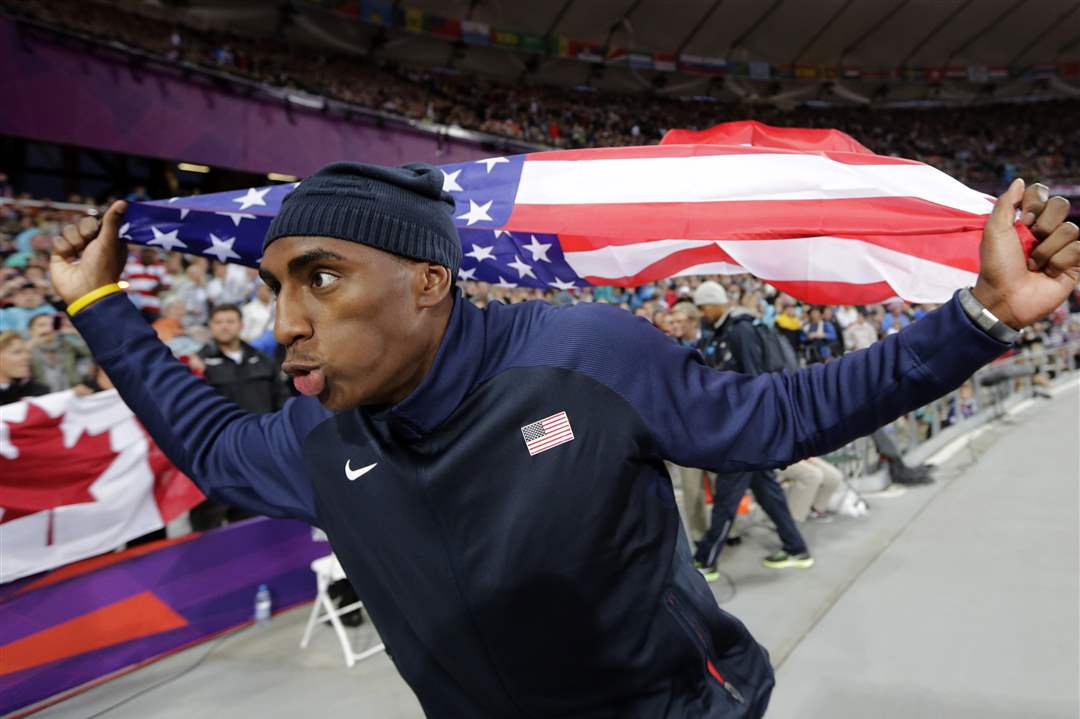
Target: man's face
[677,324]
[357,322]
[28,298]
[41,329]
[225,327]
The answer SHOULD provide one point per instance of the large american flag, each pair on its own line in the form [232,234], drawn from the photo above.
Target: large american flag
[813,212]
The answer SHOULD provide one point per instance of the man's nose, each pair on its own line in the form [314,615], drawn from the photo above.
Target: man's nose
[290,321]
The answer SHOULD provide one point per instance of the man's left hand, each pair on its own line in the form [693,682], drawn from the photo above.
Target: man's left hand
[1021,290]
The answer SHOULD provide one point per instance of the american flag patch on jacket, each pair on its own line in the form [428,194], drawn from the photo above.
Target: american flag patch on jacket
[547,433]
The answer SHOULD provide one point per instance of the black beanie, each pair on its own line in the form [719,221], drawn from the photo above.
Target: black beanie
[402,210]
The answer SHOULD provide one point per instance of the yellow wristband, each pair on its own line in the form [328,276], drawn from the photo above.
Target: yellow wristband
[93,296]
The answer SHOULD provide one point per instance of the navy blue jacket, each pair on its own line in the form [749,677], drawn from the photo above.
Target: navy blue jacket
[506,584]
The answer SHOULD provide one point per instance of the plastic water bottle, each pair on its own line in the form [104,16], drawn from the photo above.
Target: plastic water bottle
[263,606]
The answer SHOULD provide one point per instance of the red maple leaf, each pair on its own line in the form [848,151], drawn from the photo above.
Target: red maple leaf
[46,474]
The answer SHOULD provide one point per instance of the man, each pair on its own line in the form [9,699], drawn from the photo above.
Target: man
[147,279]
[58,359]
[818,336]
[896,319]
[27,302]
[258,314]
[243,375]
[492,480]
[238,371]
[737,346]
[860,334]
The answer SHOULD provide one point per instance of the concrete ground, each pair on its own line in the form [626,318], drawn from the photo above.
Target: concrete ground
[956,600]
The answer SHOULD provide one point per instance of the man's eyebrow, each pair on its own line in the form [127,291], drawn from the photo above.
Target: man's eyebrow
[268,277]
[298,263]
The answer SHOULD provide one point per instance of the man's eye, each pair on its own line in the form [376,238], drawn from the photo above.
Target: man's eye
[321,280]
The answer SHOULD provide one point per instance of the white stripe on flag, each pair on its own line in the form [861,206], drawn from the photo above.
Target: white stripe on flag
[726,178]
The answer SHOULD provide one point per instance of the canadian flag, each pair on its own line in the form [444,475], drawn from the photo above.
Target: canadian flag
[79,476]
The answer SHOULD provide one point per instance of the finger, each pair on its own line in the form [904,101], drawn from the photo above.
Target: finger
[1032,204]
[1066,256]
[74,238]
[1004,214]
[88,228]
[113,216]
[1055,212]
[62,248]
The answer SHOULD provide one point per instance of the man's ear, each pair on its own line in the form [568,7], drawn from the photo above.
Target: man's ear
[433,284]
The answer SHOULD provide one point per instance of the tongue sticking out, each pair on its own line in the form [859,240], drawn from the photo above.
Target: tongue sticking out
[310,383]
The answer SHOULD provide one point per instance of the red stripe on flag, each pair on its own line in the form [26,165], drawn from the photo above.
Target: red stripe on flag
[623,224]
[671,265]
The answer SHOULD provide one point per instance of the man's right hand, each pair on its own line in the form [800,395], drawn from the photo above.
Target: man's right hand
[88,255]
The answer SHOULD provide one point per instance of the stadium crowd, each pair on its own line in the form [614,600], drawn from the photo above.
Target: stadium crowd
[985,145]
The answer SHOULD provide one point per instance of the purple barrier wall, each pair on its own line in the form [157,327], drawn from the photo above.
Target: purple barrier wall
[57,94]
[56,634]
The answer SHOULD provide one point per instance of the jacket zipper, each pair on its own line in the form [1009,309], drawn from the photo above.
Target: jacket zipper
[690,626]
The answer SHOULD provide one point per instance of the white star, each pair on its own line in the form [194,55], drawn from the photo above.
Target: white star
[124,231]
[168,241]
[522,268]
[237,216]
[560,285]
[173,199]
[464,274]
[538,249]
[253,197]
[481,253]
[449,181]
[491,162]
[295,185]
[504,283]
[477,213]
[221,248]
[500,233]
[183,212]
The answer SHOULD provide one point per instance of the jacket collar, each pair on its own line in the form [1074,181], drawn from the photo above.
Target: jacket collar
[454,372]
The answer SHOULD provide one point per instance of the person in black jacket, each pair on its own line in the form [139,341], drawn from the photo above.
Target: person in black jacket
[247,377]
[738,347]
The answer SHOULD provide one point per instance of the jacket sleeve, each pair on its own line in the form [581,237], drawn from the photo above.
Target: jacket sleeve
[726,422]
[237,457]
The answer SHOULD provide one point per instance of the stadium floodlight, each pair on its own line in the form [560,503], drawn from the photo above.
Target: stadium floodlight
[281,177]
[192,167]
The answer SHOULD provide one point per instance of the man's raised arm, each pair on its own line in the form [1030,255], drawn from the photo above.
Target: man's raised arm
[730,422]
[252,461]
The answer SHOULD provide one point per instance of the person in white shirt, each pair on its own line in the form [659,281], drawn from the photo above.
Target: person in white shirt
[860,334]
[258,314]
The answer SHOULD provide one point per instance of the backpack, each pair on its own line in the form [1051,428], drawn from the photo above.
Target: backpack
[778,353]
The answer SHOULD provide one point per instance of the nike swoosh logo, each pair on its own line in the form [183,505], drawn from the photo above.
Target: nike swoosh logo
[354,474]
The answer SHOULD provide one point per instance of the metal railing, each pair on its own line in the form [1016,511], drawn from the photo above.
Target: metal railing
[994,388]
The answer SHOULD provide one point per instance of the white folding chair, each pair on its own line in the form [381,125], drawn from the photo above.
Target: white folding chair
[327,571]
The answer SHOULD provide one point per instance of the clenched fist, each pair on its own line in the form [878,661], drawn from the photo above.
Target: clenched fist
[88,255]
[1020,290]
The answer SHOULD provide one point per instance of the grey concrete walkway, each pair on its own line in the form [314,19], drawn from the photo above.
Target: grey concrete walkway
[955,600]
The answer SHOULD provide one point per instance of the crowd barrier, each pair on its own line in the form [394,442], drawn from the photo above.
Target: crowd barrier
[995,388]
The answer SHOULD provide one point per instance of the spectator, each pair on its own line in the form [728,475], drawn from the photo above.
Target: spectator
[244,375]
[147,278]
[15,381]
[860,334]
[789,325]
[171,323]
[817,337]
[961,405]
[896,319]
[815,481]
[230,285]
[836,346]
[192,292]
[59,357]
[28,301]
[258,314]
